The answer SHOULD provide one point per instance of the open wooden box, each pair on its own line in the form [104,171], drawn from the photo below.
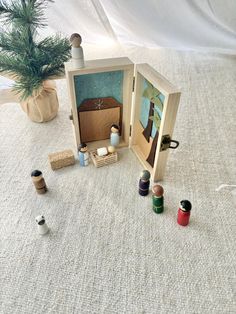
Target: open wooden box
[142,102]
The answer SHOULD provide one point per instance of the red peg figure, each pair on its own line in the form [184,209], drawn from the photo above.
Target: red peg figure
[184,213]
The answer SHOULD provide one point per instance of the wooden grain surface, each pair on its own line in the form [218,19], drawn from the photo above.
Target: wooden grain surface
[96,125]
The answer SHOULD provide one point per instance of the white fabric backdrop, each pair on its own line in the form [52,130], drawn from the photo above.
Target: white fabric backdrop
[182,24]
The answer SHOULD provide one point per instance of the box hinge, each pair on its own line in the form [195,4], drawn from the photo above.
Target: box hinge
[133,83]
[166,143]
[71,117]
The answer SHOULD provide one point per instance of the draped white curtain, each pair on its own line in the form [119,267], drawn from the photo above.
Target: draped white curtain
[182,24]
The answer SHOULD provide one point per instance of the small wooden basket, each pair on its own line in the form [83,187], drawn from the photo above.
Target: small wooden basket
[61,159]
[100,161]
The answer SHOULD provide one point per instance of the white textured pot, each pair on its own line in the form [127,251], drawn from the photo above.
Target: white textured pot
[43,105]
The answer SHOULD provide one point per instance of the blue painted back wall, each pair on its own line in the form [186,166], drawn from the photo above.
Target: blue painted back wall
[96,85]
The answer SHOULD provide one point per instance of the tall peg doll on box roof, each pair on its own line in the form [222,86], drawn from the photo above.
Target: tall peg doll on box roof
[77,51]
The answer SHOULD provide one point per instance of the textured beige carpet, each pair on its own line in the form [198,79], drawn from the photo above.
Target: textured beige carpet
[107,251]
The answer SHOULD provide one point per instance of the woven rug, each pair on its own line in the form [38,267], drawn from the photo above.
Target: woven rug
[107,251]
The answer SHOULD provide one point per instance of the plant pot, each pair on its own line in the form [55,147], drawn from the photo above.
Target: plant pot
[43,105]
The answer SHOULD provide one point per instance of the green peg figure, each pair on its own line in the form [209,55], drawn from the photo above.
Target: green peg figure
[157,198]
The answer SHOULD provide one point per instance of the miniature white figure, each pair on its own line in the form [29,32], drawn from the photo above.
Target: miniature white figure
[83,155]
[102,151]
[111,149]
[77,51]
[114,137]
[42,226]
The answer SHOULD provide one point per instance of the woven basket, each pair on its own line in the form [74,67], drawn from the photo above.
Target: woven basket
[100,161]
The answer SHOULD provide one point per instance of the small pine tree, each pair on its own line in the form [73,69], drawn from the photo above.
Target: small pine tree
[28,60]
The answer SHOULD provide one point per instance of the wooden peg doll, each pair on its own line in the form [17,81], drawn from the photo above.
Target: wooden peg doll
[157,198]
[77,51]
[83,155]
[39,182]
[114,137]
[144,183]
[42,226]
[184,213]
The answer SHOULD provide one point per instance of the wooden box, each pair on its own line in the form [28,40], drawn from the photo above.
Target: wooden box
[61,159]
[148,107]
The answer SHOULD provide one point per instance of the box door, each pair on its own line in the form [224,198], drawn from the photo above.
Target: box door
[153,117]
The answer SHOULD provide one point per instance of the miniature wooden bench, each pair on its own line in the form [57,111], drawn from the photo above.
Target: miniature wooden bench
[61,159]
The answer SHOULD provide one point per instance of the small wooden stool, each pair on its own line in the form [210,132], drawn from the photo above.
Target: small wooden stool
[61,159]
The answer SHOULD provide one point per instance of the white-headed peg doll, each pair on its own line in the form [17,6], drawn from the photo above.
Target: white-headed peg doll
[42,226]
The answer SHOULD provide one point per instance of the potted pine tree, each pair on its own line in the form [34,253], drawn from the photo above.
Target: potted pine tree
[32,62]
